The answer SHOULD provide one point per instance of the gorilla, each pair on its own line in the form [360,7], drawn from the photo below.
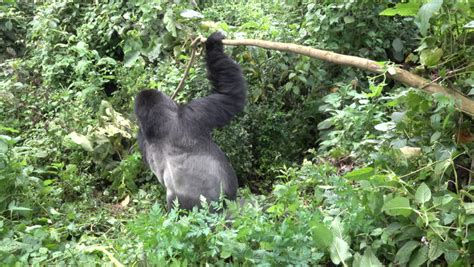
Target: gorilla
[175,140]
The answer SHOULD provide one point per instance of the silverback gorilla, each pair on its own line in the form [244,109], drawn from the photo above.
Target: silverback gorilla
[175,139]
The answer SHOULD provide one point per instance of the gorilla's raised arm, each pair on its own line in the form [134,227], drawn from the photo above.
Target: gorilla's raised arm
[229,88]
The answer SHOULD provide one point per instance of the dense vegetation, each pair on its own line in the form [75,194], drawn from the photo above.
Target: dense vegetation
[336,165]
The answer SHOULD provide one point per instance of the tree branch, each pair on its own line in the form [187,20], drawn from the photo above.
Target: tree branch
[464,103]
[190,63]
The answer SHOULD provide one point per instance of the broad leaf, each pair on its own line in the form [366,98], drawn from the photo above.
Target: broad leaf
[191,14]
[8,25]
[420,256]
[451,251]
[154,51]
[435,137]
[349,19]
[397,116]
[397,206]
[404,253]
[360,174]
[397,44]
[469,207]
[339,251]
[337,227]
[81,140]
[369,259]
[169,21]
[431,57]
[81,48]
[402,9]
[325,124]
[425,13]
[321,234]
[423,193]
[385,126]
[375,89]
[435,250]
[130,58]
[3,146]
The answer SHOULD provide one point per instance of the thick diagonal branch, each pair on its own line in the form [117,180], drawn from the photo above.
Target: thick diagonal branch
[464,103]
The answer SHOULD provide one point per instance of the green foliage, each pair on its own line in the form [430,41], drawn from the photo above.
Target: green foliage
[252,237]
[418,124]
[314,210]
[348,28]
[402,9]
[13,173]
[352,170]
[14,17]
[442,26]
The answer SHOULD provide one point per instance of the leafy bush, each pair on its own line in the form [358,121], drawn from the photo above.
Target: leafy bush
[314,218]
[352,170]
[13,174]
[14,17]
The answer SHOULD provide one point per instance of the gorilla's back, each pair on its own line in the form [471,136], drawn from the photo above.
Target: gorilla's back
[191,169]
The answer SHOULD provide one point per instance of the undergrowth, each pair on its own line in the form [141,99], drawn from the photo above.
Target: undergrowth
[335,167]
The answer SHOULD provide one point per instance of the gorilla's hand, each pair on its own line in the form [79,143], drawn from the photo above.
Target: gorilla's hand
[214,42]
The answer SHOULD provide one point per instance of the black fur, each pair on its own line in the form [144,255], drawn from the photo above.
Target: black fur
[176,142]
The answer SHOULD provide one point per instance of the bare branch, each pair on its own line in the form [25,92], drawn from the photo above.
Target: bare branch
[464,103]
